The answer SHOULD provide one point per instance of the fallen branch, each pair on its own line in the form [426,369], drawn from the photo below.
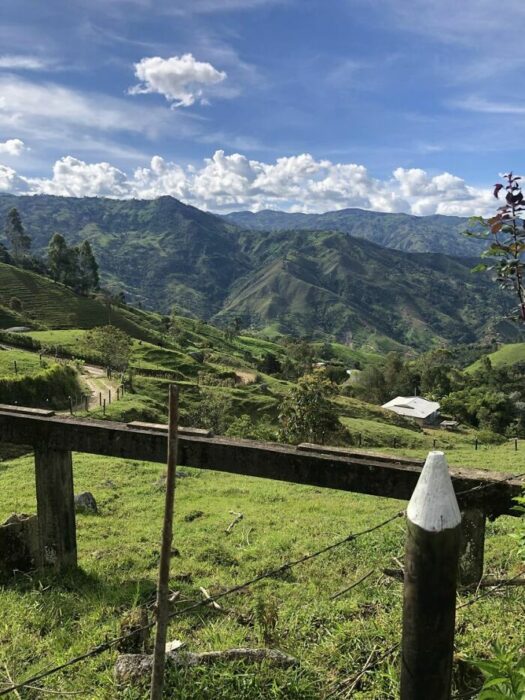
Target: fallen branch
[207,596]
[238,518]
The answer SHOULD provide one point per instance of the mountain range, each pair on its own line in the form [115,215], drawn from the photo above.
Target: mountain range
[412,234]
[325,283]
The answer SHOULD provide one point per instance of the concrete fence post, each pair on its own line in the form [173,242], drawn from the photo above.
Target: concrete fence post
[429,596]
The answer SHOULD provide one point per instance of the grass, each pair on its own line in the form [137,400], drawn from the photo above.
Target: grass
[27,363]
[44,621]
[507,355]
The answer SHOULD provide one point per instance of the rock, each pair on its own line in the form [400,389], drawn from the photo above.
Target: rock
[131,668]
[85,503]
[19,546]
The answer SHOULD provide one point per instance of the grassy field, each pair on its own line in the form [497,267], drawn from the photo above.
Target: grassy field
[507,355]
[27,363]
[44,621]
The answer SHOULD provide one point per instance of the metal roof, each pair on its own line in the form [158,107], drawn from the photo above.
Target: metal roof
[412,406]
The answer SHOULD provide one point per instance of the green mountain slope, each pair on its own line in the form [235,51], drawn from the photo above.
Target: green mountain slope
[329,282]
[415,234]
[160,252]
[163,252]
[506,355]
[47,304]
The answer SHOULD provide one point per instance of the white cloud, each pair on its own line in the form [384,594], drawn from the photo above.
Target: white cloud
[484,106]
[16,62]
[75,178]
[52,113]
[12,147]
[180,79]
[296,183]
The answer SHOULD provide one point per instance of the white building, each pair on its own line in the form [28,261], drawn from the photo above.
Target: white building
[415,407]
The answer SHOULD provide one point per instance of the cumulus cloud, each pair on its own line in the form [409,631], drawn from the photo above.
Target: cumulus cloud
[75,178]
[226,182]
[12,147]
[180,79]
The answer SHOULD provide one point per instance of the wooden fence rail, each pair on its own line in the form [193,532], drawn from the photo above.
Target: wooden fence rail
[54,438]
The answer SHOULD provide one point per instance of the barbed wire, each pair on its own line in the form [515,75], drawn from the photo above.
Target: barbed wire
[108,644]
[348,685]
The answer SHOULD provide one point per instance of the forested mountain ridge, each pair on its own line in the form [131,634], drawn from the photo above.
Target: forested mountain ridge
[321,283]
[413,234]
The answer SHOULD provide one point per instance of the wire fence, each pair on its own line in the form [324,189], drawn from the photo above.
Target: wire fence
[343,688]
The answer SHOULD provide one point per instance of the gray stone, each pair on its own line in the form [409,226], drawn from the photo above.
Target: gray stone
[85,503]
[131,668]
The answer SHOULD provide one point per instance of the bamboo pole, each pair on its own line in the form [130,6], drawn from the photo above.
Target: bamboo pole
[159,654]
[431,566]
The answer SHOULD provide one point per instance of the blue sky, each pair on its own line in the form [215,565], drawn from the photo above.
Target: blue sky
[401,105]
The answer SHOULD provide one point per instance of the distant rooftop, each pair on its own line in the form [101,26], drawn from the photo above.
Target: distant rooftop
[412,406]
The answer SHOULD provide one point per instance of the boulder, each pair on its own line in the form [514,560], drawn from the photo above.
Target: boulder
[85,503]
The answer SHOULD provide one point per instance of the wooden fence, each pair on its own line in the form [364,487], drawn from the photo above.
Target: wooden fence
[432,553]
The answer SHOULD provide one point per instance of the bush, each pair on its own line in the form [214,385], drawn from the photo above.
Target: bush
[50,388]
[487,437]
[16,304]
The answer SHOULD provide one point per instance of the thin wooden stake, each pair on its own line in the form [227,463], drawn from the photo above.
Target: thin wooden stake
[159,654]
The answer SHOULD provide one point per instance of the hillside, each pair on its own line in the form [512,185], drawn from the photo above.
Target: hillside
[334,284]
[48,304]
[164,253]
[412,234]
[506,355]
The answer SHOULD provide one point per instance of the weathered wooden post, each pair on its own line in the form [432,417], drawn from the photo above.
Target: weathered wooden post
[109,395]
[476,444]
[55,508]
[431,566]
[16,368]
[86,401]
[515,444]
[118,394]
[104,407]
[100,398]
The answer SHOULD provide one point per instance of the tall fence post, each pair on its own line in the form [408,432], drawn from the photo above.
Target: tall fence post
[55,508]
[431,567]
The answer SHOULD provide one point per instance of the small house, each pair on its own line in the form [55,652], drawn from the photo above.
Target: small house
[417,408]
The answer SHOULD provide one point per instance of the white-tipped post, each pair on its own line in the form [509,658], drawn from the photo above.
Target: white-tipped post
[431,565]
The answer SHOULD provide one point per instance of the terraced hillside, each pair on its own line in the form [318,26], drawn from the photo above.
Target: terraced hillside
[52,305]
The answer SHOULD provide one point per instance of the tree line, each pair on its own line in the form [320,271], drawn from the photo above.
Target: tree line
[75,266]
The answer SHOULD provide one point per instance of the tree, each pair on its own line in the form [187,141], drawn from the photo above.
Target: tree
[307,415]
[15,233]
[58,258]
[111,344]
[89,280]
[507,235]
